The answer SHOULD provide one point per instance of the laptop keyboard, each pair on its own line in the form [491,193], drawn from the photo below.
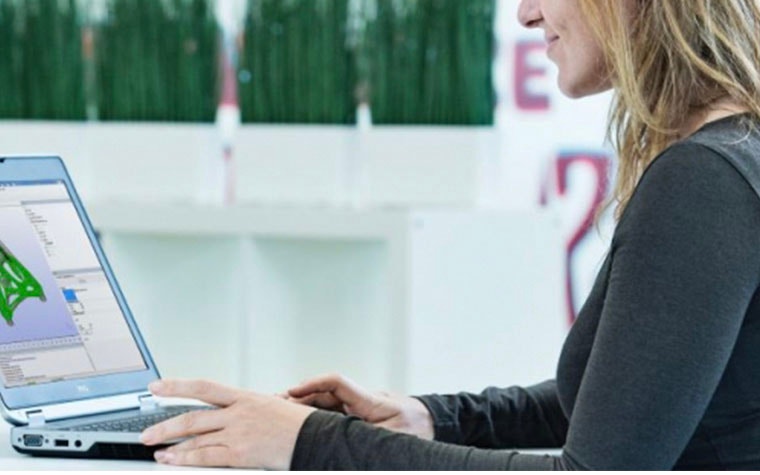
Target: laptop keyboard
[135,423]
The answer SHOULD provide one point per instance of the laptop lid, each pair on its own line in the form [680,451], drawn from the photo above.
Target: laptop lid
[66,332]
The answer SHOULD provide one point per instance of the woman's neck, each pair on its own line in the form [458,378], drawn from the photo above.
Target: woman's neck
[717,110]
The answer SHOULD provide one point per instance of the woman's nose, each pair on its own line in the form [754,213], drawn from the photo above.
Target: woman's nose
[529,14]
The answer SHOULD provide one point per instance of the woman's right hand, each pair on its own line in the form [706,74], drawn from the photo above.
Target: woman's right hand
[337,393]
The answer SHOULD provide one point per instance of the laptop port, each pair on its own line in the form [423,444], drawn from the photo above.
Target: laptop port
[33,440]
[61,443]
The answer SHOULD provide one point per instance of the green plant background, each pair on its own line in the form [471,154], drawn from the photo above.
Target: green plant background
[295,65]
[156,60]
[40,60]
[430,62]
[301,61]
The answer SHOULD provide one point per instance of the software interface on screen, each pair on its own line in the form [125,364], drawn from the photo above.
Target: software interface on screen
[59,317]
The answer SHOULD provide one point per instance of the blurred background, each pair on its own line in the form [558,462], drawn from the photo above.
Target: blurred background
[391,189]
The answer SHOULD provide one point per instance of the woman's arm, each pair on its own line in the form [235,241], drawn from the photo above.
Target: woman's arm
[513,417]
[685,266]
[496,418]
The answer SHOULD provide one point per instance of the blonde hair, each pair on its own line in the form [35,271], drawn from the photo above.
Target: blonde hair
[667,60]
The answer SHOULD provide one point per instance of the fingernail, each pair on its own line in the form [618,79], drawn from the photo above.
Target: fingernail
[163,456]
[146,437]
[156,386]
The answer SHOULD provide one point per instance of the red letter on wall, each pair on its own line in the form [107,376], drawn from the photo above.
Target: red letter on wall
[525,99]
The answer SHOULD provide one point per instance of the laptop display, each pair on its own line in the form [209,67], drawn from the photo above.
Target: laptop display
[59,317]
[74,369]
[66,332]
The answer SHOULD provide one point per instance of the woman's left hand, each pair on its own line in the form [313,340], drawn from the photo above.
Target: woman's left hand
[248,430]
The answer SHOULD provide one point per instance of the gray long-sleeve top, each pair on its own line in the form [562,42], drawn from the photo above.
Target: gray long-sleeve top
[662,366]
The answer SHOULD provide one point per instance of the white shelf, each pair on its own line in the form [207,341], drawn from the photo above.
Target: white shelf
[293,222]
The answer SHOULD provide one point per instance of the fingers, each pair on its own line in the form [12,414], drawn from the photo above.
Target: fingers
[211,439]
[320,400]
[342,388]
[320,384]
[214,456]
[186,425]
[207,391]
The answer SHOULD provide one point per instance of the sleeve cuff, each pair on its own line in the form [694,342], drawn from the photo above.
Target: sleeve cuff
[307,442]
[445,425]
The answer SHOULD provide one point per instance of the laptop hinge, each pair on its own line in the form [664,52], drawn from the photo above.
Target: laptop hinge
[147,402]
[35,418]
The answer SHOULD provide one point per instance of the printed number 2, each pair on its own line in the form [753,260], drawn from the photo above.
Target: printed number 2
[600,165]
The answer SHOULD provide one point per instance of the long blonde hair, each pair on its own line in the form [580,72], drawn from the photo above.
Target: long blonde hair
[668,59]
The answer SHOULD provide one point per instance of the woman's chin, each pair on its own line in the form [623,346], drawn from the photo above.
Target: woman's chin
[576,89]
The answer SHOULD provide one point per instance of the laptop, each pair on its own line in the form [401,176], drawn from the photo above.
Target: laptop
[74,368]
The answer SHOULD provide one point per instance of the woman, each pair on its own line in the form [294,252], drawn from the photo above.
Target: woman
[661,368]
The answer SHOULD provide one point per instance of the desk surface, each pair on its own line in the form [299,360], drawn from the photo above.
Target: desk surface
[12,460]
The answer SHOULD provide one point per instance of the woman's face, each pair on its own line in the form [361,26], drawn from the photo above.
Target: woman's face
[571,45]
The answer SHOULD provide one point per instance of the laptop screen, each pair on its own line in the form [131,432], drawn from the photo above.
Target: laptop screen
[59,317]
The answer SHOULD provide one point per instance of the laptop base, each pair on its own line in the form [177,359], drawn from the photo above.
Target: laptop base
[100,450]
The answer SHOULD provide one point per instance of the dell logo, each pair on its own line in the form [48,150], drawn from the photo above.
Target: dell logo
[82,388]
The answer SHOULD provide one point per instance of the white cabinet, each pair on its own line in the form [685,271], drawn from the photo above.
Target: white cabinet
[408,300]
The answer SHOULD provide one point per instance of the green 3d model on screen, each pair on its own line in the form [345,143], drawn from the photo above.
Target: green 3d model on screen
[16,284]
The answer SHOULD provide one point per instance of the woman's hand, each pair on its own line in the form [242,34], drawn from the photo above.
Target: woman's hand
[248,430]
[397,413]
